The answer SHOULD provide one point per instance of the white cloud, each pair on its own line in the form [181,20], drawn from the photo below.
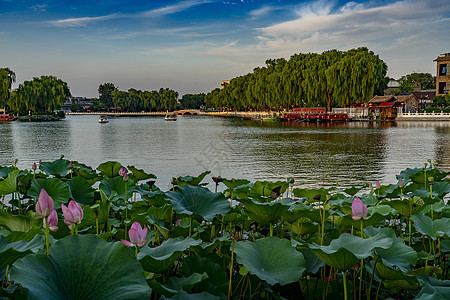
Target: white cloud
[260,12]
[171,9]
[84,21]
[39,8]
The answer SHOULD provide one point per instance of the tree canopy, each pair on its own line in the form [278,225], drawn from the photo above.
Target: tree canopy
[105,94]
[192,101]
[137,100]
[425,81]
[43,94]
[333,79]
[7,77]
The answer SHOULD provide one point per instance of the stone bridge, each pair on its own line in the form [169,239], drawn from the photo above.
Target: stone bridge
[187,112]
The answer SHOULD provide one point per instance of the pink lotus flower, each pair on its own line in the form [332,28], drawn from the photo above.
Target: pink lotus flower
[45,205]
[137,236]
[359,209]
[178,222]
[378,184]
[52,220]
[123,171]
[72,214]
[34,167]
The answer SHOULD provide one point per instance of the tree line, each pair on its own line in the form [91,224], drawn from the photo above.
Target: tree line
[332,79]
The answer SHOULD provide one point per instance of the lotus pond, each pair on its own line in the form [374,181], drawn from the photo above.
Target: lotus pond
[69,231]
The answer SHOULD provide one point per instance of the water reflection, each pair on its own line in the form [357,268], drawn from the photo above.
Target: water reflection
[314,154]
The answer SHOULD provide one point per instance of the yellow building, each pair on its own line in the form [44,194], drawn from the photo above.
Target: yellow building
[443,74]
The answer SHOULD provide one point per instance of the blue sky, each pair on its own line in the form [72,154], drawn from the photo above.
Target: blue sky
[191,46]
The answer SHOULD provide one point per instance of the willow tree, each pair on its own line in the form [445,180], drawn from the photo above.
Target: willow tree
[7,77]
[44,94]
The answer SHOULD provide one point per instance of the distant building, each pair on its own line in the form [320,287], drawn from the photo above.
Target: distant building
[386,107]
[443,74]
[83,101]
[425,98]
[392,86]
[224,83]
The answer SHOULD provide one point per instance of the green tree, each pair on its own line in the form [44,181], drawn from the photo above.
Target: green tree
[7,77]
[425,81]
[105,94]
[192,101]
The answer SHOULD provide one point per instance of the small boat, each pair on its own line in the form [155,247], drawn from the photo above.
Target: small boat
[103,119]
[170,117]
[5,117]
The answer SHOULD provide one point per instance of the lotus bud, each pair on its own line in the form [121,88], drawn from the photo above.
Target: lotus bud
[359,209]
[16,161]
[34,167]
[125,177]
[137,236]
[122,171]
[40,161]
[400,184]
[62,156]
[45,205]
[19,183]
[73,214]
[151,183]
[378,184]
[317,197]
[217,179]
[71,164]
[291,182]
[178,222]
[52,220]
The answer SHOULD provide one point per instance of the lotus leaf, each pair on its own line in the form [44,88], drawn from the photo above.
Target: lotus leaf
[186,283]
[4,171]
[195,200]
[55,188]
[18,223]
[433,289]
[140,174]
[217,281]
[271,259]
[59,168]
[347,250]
[433,229]
[114,188]
[191,180]
[159,259]
[264,188]
[9,185]
[81,191]
[110,168]
[303,226]
[182,295]
[205,248]
[234,183]
[10,251]
[110,271]
[398,254]
[310,194]
[266,213]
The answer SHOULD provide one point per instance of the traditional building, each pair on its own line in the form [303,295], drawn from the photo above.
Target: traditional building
[386,107]
[443,74]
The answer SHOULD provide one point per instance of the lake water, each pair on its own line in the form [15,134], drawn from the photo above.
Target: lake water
[345,154]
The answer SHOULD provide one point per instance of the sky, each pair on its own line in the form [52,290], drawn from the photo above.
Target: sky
[191,46]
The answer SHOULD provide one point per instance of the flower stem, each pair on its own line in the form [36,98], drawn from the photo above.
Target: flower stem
[231,273]
[47,243]
[345,285]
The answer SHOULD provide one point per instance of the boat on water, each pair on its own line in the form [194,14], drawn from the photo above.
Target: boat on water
[336,117]
[103,119]
[269,119]
[5,117]
[170,117]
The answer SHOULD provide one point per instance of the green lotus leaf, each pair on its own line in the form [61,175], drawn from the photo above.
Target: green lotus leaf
[195,200]
[110,271]
[110,168]
[433,289]
[234,183]
[10,251]
[59,168]
[18,223]
[159,259]
[217,281]
[376,214]
[4,171]
[417,175]
[271,259]
[445,245]
[186,283]
[206,248]
[433,229]
[9,185]
[310,194]
[15,236]
[114,188]
[266,213]
[398,254]
[353,190]
[182,295]
[84,171]
[345,251]
[140,174]
[81,191]
[264,188]
[55,188]
[303,226]
[313,263]
[190,180]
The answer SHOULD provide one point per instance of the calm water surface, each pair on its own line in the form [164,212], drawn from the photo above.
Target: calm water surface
[344,154]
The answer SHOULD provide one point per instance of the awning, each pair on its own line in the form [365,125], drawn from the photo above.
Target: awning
[387,104]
